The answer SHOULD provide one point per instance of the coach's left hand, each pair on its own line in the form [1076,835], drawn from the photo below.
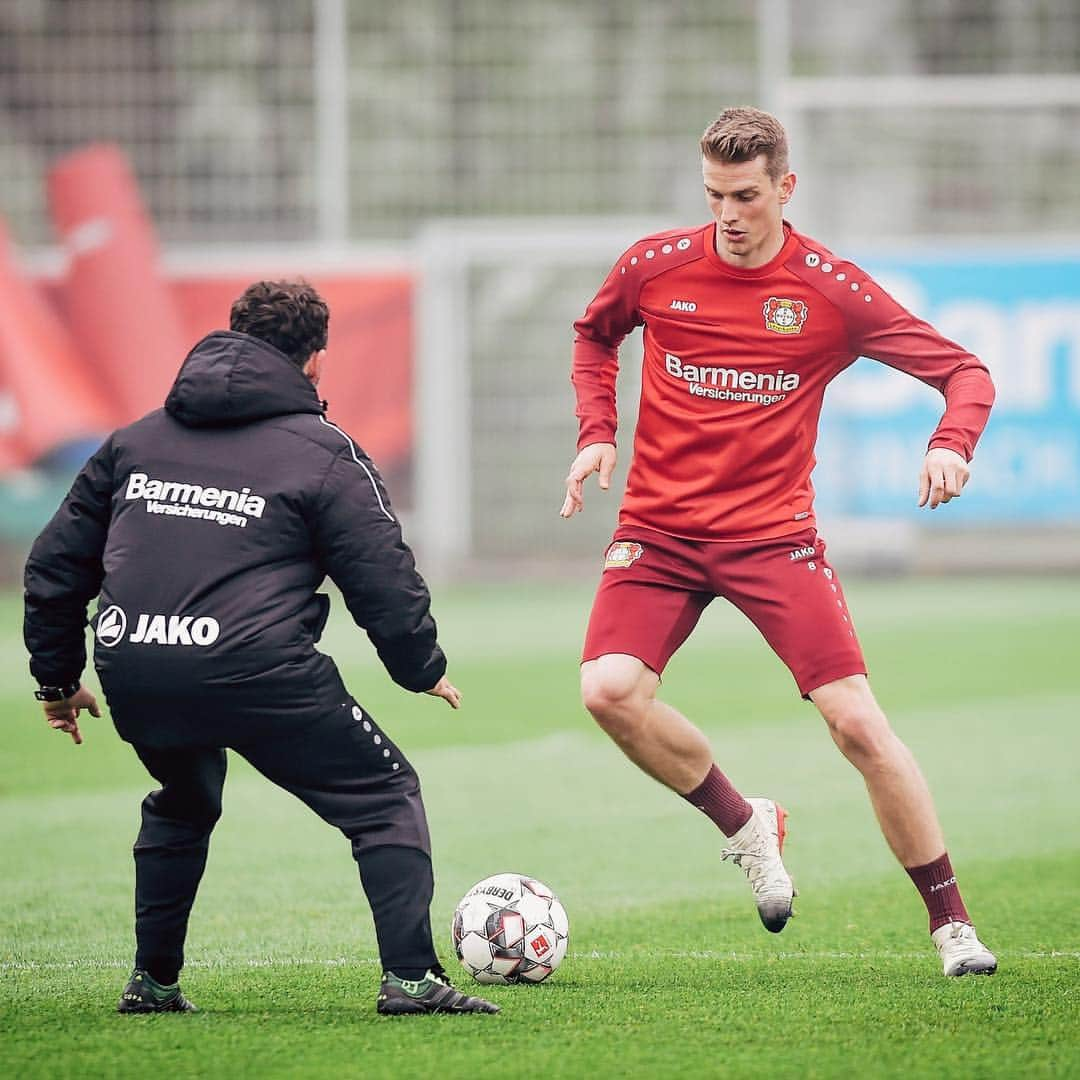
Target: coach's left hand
[447,691]
[64,715]
[944,474]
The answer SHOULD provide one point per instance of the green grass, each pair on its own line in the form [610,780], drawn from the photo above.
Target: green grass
[669,970]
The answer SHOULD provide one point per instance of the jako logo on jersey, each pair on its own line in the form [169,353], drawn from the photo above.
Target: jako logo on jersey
[731,378]
[623,553]
[178,499]
[784,316]
[801,553]
[683,305]
[111,626]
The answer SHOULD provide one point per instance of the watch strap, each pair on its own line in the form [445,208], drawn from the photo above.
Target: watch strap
[57,693]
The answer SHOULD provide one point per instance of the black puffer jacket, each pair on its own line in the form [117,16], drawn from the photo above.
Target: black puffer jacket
[207,527]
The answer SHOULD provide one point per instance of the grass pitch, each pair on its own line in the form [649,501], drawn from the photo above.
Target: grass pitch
[669,970]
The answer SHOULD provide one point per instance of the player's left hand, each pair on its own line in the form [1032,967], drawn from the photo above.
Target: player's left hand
[64,715]
[943,476]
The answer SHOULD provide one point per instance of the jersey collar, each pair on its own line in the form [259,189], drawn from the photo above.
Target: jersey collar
[787,249]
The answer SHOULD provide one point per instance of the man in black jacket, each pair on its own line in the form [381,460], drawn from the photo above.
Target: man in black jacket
[205,529]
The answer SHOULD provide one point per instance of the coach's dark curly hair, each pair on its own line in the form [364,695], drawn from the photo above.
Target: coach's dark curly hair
[290,315]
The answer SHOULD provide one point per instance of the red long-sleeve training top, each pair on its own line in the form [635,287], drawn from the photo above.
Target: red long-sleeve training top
[735,368]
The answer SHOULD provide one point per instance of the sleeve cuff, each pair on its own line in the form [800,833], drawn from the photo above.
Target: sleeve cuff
[949,444]
[592,435]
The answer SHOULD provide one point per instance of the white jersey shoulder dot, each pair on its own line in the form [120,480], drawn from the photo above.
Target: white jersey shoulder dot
[649,249]
[846,273]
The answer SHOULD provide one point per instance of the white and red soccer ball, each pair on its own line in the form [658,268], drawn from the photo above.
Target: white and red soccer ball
[510,928]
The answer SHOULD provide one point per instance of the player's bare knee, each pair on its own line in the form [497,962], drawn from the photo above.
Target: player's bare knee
[615,703]
[605,699]
[864,738]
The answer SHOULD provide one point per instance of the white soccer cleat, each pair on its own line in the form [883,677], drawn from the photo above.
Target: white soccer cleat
[961,951]
[756,850]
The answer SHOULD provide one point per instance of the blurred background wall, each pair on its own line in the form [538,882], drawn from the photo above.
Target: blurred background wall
[460,174]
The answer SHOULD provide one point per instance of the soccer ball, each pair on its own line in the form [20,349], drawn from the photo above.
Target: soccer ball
[510,928]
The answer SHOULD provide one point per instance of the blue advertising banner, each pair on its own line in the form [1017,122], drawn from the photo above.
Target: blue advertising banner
[1021,316]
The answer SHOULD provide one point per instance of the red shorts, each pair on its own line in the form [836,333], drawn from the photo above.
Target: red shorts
[655,587]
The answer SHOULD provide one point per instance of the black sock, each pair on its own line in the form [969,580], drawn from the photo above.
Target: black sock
[161,970]
[411,974]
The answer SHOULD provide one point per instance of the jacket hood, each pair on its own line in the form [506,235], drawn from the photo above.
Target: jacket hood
[234,378]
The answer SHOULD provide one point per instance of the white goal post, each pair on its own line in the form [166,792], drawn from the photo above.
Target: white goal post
[518,252]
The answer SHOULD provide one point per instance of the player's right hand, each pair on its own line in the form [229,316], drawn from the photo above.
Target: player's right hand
[447,691]
[596,457]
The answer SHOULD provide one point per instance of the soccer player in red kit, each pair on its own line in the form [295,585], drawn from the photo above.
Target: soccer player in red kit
[746,322]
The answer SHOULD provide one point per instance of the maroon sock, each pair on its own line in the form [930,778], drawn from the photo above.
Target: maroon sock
[718,800]
[936,883]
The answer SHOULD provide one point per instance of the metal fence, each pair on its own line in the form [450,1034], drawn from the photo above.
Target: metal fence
[347,120]
[495,136]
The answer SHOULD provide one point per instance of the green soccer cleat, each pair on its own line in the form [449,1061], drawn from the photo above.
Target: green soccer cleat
[144,994]
[434,993]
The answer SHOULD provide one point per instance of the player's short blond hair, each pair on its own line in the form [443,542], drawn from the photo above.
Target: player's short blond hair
[742,133]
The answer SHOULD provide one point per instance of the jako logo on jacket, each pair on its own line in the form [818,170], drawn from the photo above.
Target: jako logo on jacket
[156,629]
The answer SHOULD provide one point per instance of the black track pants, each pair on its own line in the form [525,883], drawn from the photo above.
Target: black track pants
[347,771]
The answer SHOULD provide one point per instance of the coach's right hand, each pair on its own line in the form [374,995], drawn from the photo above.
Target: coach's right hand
[596,457]
[447,691]
[64,715]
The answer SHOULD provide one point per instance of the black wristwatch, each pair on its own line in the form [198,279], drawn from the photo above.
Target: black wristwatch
[57,693]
